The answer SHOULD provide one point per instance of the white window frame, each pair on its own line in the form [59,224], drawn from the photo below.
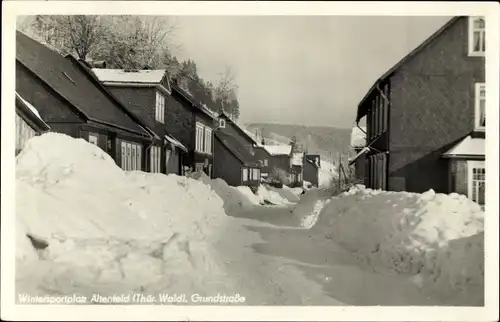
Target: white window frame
[266,162]
[244,174]
[477,100]
[94,138]
[482,36]
[199,137]
[131,156]
[471,165]
[222,123]
[155,159]
[208,140]
[160,107]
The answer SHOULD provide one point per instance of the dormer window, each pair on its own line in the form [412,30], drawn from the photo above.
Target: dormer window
[477,36]
[222,123]
[160,108]
[480,106]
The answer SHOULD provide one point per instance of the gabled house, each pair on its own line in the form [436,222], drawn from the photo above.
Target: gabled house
[193,125]
[312,165]
[235,161]
[358,142]
[71,100]
[285,163]
[145,93]
[426,116]
[28,122]
[265,161]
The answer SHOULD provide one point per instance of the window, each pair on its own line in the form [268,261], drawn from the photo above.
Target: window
[244,172]
[199,138]
[480,106]
[131,156]
[477,36]
[256,174]
[266,162]
[154,159]
[476,181]
[93,138]
[160,108]
[222,123]
[203,142]
[208,140]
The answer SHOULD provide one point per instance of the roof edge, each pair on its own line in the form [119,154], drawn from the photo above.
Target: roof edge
[404,60]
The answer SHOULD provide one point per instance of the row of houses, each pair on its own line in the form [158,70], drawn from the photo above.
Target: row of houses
[142,118]
[425,117]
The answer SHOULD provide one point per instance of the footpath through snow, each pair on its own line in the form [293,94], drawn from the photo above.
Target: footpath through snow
[437,240]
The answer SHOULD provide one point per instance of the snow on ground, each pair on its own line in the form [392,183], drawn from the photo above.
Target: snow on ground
[326,174]
[436,239]
[275,196]
[238,198]
[108,231]
[234,198]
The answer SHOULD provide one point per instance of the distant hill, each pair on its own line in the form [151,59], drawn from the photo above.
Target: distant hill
[322,140]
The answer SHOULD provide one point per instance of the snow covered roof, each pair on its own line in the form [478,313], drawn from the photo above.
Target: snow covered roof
[123,76]
[298,158]
[31,107]
[278,149]
[360,153]
[176,143]
[358,137]
[467,147]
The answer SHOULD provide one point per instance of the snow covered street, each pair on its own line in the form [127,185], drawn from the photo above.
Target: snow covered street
[90,228]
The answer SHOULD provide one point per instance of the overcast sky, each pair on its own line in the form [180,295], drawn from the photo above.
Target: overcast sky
[310,70]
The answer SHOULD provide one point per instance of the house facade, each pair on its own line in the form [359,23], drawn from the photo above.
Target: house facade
[236,161]
[265,160]
[312,165]
[28,122]
[71,100]
[285,164]
[146,93]
[193,125]
[423,114]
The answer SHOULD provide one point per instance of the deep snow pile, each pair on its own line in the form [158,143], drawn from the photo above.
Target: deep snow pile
[107,230]
[289,195]
[234,198]
[326,174]
[437,239]
[273,195]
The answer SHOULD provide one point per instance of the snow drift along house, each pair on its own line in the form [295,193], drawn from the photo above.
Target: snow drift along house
[426,116]
[235,160]
[145,93]
[28,122]
[71,100]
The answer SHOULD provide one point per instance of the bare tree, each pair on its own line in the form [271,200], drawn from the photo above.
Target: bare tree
[225,91]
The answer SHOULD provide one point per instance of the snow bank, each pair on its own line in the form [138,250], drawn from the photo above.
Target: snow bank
[436,238]
[234,198]
[273,195]
[100,229]
[326,174]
